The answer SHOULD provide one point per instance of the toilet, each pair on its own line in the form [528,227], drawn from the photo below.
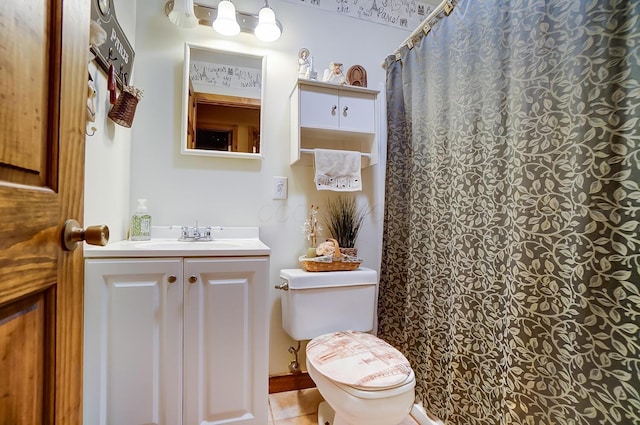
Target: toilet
[363,379]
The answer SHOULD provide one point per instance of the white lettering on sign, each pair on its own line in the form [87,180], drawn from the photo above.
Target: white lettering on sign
[119,46]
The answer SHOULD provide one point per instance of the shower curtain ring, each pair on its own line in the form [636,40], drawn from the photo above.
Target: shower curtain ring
[448,7]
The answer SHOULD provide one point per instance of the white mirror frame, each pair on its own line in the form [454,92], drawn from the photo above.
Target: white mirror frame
[185,105]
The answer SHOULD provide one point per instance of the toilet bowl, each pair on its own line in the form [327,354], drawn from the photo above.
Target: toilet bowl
[362,378]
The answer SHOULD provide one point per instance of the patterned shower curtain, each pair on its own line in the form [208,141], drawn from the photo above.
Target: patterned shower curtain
[511,258]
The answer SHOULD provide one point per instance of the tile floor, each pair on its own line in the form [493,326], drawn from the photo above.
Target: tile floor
[300,408]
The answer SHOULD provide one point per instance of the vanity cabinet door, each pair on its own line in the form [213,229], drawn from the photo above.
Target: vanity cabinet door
[133,341]
[226,341]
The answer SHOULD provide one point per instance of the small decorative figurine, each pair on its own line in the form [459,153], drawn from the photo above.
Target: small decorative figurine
[334,74]
[305,63]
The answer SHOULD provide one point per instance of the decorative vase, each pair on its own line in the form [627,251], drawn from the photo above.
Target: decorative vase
[311,252]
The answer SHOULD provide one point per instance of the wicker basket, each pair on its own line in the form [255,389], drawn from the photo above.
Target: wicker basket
[338,262]
[349,251]
[125,108]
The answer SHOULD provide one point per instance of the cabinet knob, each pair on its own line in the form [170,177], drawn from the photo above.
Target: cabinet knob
[344,111]
[333,109]
[171,279]
[193,279]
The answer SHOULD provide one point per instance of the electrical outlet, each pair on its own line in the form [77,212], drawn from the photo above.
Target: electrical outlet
[279,187]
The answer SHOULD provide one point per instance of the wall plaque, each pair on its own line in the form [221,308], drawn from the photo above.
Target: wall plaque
[116,49]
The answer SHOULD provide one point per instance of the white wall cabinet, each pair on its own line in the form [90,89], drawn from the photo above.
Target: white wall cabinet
[176,341]
[331,116]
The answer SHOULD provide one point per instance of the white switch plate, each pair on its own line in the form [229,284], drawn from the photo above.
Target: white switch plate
[280,187]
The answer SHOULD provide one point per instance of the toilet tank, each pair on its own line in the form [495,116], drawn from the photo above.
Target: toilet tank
[316,303]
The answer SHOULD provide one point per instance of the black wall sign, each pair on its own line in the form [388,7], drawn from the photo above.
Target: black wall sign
[116,50]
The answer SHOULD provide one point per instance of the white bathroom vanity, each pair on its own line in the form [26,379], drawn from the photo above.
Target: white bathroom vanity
[177,332]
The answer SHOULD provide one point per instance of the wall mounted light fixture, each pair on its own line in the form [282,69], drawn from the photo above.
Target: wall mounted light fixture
[225,19]
[268,28]
[182,14]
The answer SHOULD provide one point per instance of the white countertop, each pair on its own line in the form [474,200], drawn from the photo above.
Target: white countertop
[227,242]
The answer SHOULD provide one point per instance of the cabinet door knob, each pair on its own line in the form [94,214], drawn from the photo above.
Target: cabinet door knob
[193,279]
[333,109]
[344,111]
[172,279]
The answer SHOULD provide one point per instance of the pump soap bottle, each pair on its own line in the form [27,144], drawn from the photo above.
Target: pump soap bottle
[141,223]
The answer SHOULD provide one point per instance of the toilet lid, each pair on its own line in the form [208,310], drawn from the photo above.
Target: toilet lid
[358,359]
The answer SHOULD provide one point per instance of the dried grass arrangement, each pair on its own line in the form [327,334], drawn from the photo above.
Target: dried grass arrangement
[343,219]
[311,227]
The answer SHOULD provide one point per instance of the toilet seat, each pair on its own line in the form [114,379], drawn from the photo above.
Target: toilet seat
[361,364]
[368,394]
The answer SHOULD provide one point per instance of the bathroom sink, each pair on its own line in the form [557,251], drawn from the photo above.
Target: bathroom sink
[170,244]
[231,241]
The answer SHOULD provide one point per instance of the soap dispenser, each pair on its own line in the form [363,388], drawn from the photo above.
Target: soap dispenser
[141,223]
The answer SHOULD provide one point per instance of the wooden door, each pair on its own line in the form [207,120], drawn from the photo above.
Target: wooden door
[43,86]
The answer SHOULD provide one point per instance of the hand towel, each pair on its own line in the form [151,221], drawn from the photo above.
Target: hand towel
[337,170]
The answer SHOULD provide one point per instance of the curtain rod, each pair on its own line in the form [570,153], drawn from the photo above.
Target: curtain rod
[445,5]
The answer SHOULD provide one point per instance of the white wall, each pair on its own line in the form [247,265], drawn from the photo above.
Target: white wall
[233,192]
[108,151]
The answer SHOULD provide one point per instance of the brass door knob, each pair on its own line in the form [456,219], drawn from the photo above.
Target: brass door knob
[172,279]
[73,233]
[193,279]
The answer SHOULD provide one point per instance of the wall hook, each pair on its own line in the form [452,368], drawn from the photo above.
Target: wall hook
[111,57]
[123,75]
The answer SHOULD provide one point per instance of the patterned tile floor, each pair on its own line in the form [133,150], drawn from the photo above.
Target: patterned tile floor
[300,408]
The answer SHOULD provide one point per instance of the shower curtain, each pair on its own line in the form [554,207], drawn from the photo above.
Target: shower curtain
[510,273]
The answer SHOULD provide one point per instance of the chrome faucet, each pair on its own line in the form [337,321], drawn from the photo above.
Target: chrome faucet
[194,234]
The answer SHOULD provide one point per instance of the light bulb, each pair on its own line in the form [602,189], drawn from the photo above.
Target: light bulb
[267,28]
[225,22]
[182,14]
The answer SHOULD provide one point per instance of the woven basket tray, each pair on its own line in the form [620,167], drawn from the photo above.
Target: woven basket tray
[338,262]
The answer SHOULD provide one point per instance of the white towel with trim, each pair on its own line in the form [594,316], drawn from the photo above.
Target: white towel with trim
[337,170]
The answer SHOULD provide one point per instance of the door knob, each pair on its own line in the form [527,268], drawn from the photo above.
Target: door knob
[73,234]
[193,279]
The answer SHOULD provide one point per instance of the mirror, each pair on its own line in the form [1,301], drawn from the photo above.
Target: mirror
[222,99]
